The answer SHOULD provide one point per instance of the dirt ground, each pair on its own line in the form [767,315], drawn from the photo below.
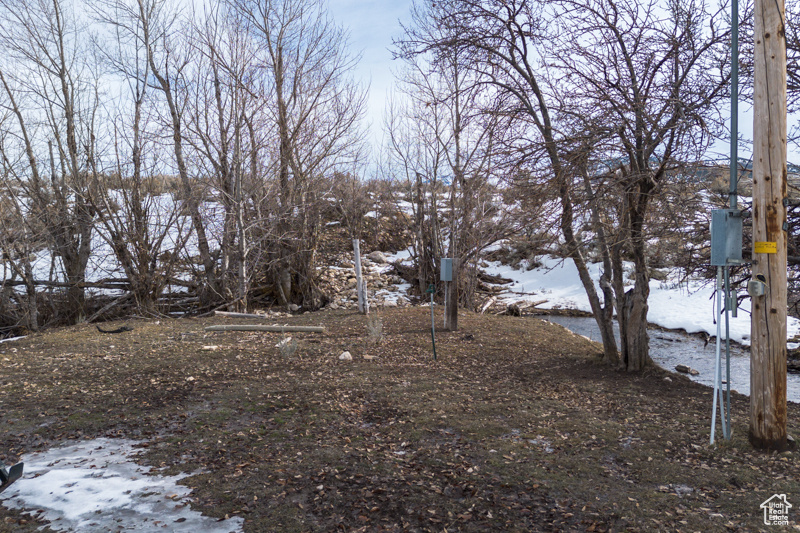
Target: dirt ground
[516,427]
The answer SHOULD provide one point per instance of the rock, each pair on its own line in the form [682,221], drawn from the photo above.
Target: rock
[668,379]
[345,356]
[368,357]
[210,348]
[687,370]
[377,257]
[294,308]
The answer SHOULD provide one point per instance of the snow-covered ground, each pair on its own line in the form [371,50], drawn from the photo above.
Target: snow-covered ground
[95,486]
[672,304]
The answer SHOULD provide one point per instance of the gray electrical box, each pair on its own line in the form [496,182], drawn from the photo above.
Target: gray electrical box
[446,266]
[726,237]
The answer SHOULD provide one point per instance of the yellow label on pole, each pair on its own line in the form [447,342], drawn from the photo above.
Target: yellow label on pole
[765,247]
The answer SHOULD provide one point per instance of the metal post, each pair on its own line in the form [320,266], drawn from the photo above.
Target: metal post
[717,365]
[444,318]
[431,290]
[727,413]
[716,355]
[734,103]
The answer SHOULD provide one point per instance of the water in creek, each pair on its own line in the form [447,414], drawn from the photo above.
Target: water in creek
[670,348]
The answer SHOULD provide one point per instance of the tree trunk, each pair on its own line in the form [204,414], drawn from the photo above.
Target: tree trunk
[618,283]
[573,247]
[421,248]
[33,309]
[285,286]
[451,305]
[606,319]
[635,334]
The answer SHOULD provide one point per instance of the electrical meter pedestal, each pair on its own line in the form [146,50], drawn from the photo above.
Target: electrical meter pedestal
[726,237]
[446,275]
[726,251]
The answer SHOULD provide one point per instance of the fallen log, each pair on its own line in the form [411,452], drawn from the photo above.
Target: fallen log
[271,329]
[231,314]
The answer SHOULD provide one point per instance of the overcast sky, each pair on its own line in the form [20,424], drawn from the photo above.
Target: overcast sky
[372,25]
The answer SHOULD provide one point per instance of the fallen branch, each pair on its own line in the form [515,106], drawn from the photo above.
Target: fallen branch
[494,279]
[108,306]
[488,304]
[112,284]
[539,302]
[220,306]
[273,329]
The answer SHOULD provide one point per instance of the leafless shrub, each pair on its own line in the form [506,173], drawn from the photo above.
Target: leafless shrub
[287,346]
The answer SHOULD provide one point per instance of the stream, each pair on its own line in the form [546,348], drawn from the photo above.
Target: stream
[669,348]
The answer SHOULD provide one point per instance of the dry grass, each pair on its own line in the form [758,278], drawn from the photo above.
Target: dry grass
[517,427]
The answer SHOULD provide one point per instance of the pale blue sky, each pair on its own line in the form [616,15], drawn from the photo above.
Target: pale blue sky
[372,25]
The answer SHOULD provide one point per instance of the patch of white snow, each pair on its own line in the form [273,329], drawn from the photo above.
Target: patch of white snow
[95,486]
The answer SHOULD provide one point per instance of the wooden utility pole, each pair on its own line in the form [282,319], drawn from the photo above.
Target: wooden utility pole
[768,321]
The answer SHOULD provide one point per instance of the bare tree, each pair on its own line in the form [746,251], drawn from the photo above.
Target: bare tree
[225,121]
[139,222]
[353,202]
[656,100]
[500,40]
[461,118]
[51,88]
[645,77]
[20,239]
[414,160]
[316,109]
[169,58]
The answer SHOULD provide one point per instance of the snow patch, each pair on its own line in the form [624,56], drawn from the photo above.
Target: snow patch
[95,486]
[672,304]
